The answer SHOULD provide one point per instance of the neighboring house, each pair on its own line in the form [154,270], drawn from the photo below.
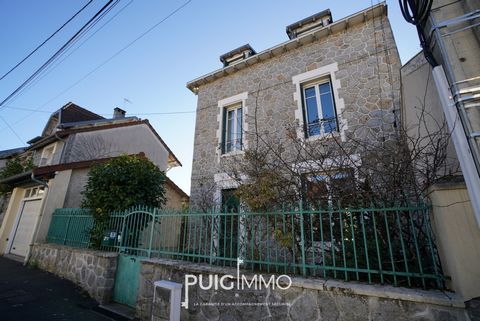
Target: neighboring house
[332,77]
[176,198]
[5,156]
[73,140]
[445,94]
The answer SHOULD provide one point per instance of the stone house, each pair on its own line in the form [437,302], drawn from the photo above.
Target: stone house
[73,140]
[331,78]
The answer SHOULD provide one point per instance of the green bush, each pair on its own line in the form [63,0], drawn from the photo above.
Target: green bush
[121,183]
[13,166]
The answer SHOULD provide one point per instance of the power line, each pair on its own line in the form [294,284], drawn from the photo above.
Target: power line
[51,68]
[45,41]
[129,114]
[119,51]
[110,58]
[59,52]
[11,129]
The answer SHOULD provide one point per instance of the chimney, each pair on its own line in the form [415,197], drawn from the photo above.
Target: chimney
[317,21]
[236,55]
[118,113]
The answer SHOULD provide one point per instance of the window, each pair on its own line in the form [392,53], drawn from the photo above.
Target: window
[319,108]
[329,186]
[232,128]
[47,155]
[34,192]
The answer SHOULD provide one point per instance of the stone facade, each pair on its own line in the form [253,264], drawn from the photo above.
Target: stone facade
[92,270]
[306,299]
[366,84]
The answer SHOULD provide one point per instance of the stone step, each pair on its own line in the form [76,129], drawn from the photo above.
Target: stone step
[117,311]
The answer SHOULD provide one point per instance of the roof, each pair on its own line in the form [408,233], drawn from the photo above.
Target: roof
[69,113]
[308,37]
[17,178]
[11,152]
[96,122]
[72,113]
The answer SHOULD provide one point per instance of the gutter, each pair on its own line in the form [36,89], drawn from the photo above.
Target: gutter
[36,180]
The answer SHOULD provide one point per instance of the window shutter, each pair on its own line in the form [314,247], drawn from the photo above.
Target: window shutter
[224,128]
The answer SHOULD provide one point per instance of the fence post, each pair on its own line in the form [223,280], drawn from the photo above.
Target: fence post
[211,237]
[66,230]
[151,232]
[302,239]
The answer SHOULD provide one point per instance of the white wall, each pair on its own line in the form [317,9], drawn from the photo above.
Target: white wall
[117,141]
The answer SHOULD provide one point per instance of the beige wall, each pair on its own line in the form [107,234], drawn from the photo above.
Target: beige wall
[57,191]
[117,141]
[457,237]
[76,186]
[175,201]
[10,216]
[422,113]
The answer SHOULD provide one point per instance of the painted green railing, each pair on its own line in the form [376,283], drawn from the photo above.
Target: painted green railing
[70,226]
[390,245]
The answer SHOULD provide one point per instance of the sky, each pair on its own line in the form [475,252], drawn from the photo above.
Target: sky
[152,72]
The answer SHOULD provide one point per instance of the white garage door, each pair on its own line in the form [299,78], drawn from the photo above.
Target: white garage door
[24,233]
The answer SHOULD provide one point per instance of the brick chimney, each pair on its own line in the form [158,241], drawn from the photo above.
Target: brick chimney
[118,113]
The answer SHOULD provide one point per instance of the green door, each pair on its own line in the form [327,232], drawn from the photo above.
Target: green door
[126,280]
[229,224]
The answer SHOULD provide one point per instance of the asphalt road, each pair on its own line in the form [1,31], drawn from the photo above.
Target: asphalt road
[31,294]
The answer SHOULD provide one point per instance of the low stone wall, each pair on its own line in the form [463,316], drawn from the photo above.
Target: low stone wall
[94,271]
[306,299]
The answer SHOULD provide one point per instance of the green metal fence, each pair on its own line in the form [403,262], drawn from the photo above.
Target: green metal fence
[70,226]
[389,245]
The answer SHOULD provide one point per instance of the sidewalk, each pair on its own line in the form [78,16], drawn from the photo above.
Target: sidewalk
[31,294]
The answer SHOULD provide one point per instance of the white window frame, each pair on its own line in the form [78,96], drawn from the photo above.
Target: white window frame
[222,104]
[324,72]
[49,161]
[316,85]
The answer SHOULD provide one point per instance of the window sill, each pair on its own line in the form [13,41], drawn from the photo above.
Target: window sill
[233,153]
[323,136]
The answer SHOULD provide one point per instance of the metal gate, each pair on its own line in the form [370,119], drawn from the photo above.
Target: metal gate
[131,234]
[126,280]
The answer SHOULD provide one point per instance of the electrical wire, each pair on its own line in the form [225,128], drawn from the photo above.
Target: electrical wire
[129,114]
[416,12]
[56,54]
[45,41]
[12,130]
[110,58]
[53,67]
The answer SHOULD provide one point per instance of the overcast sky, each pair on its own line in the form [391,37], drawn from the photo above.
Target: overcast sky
[151,73]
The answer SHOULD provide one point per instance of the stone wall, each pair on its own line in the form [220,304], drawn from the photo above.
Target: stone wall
[306,299]
[369,78]
[94,271]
